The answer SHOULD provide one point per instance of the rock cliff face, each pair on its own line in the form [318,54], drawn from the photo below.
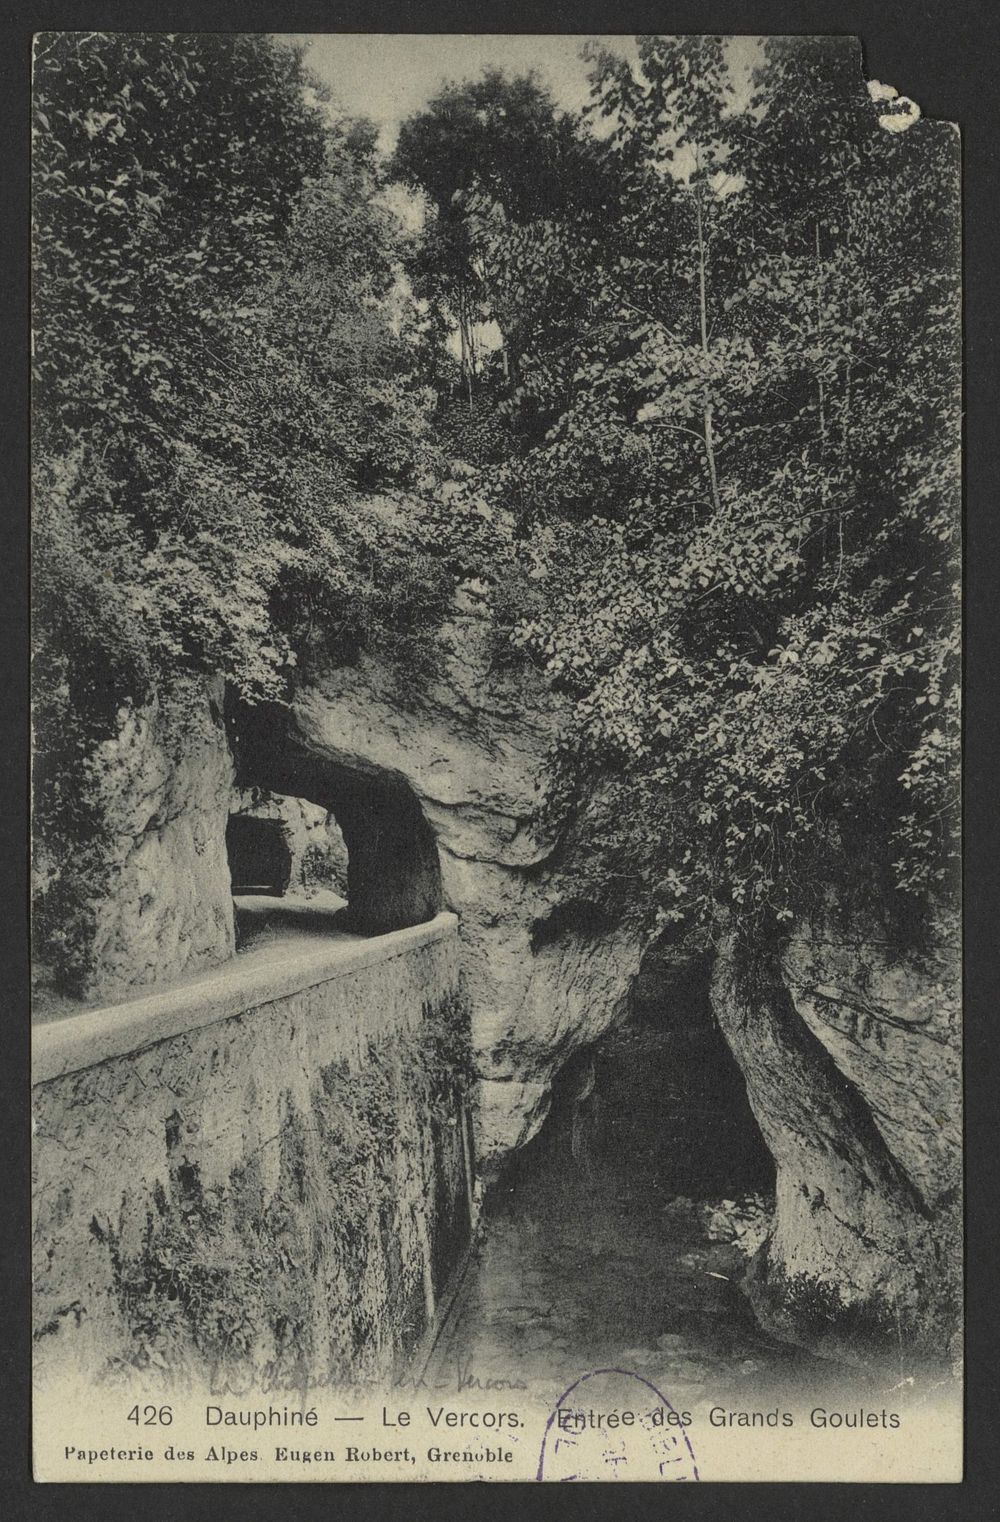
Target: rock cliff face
[546,973]
[851,1058]
[152,899]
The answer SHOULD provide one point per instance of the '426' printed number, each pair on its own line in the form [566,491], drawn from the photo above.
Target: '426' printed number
[151,1416]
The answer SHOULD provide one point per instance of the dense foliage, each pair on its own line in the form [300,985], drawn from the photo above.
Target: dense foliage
[217,367]
[498,143]
[708,457]
[737,483]
[220,387]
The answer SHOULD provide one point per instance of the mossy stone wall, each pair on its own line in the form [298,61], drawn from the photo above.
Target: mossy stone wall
[269,1202]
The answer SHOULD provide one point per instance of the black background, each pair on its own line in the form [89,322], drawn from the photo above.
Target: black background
[944,56]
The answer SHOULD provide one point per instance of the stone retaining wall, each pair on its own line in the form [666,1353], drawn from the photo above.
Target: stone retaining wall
[260,1179]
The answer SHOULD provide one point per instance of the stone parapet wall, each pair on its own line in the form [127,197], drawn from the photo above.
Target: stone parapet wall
[259,1179]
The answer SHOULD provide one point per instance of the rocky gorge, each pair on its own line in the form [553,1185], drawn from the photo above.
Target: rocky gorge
[497,717]
[848,1048]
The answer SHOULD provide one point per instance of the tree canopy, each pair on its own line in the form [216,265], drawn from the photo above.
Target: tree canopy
[736,482]
[496,144]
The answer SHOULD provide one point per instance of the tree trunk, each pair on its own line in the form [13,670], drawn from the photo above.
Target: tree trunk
[465,345]
[820,385]
[703,312]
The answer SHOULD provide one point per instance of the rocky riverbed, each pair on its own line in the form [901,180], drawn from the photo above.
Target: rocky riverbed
[618,1237]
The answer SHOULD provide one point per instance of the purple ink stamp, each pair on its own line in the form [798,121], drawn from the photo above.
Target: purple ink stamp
[612,1424]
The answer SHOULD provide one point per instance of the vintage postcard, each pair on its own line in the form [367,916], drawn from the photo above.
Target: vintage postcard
[496,530]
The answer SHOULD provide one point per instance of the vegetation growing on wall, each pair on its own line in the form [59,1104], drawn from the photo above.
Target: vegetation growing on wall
[218,368]
[234,1281]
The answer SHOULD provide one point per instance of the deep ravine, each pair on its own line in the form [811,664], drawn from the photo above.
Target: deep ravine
[617,1252]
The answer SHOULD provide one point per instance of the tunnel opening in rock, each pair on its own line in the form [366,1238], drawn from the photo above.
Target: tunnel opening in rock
[655,1111]
[260,855]
[377,850]
[620,1235]
[284,848]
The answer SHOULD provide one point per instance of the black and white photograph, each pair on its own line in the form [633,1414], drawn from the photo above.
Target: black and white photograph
[497,654]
